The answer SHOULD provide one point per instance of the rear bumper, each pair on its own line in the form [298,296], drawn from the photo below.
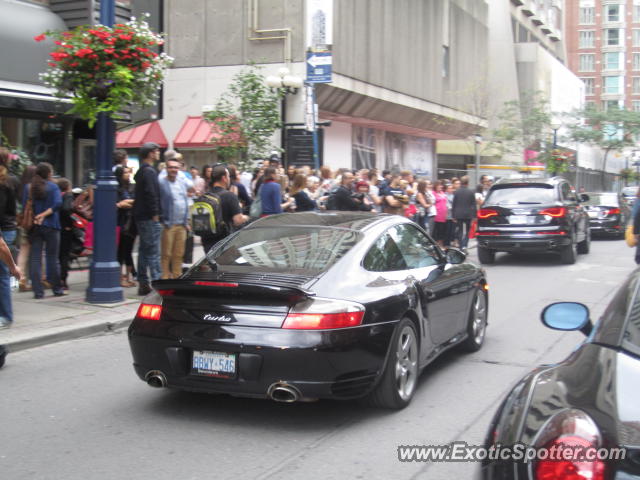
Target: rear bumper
[343,363]
[611,227]
[524,243]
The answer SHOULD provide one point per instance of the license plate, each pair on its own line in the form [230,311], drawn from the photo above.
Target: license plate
[518,219]
[213,364]
[593,214]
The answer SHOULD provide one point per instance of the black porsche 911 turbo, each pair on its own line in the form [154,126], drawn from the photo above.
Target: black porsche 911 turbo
[586,408]
[304,306]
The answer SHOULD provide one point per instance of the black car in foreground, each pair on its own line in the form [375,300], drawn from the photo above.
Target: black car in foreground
[608,213]
[302,306]
[586,407]
[533,215]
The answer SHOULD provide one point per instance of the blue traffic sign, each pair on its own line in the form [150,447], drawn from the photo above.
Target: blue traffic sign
[319,67]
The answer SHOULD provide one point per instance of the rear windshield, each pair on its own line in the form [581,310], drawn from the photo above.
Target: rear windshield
[291,249]
[604,200]
[521,195]
[629,191]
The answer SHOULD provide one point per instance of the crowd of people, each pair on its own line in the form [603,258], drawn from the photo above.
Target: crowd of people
[167,204]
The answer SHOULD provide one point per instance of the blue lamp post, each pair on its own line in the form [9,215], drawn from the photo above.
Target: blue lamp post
[104,274]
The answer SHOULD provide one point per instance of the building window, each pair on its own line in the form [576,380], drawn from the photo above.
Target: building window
[587,62]
[635,85]
[445,61]
[636,61]
[611,85]
[587,38]
[636,13]
[589,84]
[612,36]
[611,105]
[635,105]
[612,61]
[636,37]
[589,105]
[587,15]
[613,13]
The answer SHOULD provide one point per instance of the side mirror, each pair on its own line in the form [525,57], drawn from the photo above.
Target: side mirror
[455,256]
[583,197]
[567,316]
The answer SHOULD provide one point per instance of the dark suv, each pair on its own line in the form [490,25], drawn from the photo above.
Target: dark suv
[533,215]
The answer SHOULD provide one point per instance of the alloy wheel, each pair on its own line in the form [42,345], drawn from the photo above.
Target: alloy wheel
[479,318]
[407,363]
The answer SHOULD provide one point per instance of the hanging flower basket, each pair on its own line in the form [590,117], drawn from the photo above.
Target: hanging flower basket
[106,69]
[558,161]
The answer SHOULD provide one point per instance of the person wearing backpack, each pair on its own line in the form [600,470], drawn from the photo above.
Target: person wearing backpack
[216,212]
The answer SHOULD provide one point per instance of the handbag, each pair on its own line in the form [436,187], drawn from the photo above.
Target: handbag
[26,217]
[629,237]
[82,205]
[256,206]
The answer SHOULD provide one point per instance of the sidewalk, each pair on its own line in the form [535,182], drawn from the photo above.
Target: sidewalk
[54,319]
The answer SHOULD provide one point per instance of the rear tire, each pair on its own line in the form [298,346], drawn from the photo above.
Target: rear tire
[400,377]
[486,256]
[585,245]
[477,325]
[568,254]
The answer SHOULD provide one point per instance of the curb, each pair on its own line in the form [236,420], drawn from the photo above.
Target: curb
[68,333]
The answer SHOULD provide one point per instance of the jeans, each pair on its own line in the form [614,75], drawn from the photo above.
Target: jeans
[464,224]
[6,311]
[173,243]
[49,239]
[149,250]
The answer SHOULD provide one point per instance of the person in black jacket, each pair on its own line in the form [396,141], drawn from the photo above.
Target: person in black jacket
[463,211]
[303,202]
[66,230]
[146,213]
[343,196]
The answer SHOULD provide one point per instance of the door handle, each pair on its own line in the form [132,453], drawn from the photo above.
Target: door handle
[430,293]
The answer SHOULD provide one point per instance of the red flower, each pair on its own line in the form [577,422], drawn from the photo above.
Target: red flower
[83,52]
[40,37]
[108,64]
[124,37]
[74,64]
[145,65]
[109,51]
[125,50]
[58,42]
[66,45]
[51,64]
[58,56]
[142,49]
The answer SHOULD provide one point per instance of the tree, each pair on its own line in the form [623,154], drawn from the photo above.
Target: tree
[611,129]
[245,118]
[523,125]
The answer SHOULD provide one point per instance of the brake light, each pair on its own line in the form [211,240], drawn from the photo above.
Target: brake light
[487,212]
[613,211]
[149,312]
[554,212]
[571,441]
[482,234]
[215,284]
[324,314]
[572,469]
[546,232]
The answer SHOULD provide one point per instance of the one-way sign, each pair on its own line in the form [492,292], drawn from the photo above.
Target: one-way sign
[319,67]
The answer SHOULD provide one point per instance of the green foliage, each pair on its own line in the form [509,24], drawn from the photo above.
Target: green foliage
[106,69]
[629,175]
[557,161]
[20,159]
[245,118]
[523,124]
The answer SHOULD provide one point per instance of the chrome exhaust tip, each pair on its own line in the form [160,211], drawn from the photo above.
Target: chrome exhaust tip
[283,393]
[156,379]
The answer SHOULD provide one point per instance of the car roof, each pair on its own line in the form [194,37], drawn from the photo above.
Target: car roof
[522,181]
[358,221]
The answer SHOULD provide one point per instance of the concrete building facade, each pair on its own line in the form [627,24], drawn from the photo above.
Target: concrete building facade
[400,70]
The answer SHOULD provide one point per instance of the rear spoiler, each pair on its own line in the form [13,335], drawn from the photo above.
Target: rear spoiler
[219,286]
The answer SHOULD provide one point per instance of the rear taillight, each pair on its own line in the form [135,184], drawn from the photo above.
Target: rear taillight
[482,234]
[151,306]
[613,211]
[546,232]
[324,314]
[487,213]
[554,212]
[571,440]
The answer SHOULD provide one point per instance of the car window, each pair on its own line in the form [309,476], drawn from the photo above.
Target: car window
[416,248]
[605,199]
[303,249]
[566,193]
[631,336]
[521,195]
[384,256]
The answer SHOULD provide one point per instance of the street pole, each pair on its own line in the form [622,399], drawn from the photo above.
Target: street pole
[477,141]
[104,274]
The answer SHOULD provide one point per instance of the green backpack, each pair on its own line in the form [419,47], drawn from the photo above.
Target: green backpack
[206,216]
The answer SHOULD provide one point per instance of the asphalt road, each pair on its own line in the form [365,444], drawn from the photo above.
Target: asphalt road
[75,410]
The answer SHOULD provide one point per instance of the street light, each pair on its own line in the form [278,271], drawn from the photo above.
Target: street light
[477,139]
[555,126]
[289,85]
